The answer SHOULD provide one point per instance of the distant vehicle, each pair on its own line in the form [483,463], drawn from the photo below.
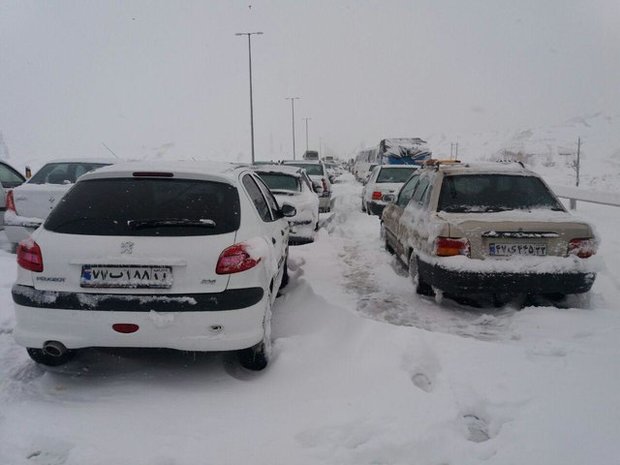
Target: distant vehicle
[397,151]
[384,180]
[28,205]
[480,229]
[178,255]
[311,155]
[292,185]
[320,178]
[9,179]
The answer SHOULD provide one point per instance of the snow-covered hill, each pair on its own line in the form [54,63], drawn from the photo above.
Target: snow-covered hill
[550,151]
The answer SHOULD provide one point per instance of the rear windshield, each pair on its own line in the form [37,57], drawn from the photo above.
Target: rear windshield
[63,173]
[284,182]
[147,207]
[493,193]
[394,174]
[311,168]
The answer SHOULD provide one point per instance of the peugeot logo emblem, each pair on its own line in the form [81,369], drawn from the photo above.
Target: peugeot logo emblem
[127,247]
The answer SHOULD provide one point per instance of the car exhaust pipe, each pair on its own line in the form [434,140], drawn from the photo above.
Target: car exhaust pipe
[54,349]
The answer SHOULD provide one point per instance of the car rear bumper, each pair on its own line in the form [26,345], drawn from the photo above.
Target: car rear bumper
[302,232]
[473,282]
[200,322]
[376,208]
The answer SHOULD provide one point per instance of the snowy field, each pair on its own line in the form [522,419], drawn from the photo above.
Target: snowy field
[365,372]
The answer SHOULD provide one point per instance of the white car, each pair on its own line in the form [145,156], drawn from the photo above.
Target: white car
[318,173]
[183,255]
[28,205]
[9,179]
[290,184]
[383,180]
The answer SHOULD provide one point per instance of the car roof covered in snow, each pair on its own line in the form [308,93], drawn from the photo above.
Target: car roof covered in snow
[108,161]
[279,169]
[452,167]
[176,169]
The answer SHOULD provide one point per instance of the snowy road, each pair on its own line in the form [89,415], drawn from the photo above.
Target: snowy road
[437,384]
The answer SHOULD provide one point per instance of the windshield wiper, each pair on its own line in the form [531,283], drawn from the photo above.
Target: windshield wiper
[156,223]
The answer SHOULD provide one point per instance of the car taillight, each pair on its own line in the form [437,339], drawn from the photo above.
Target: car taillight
[376,195]
[449,247]
[583,248]
[235,259]
[29,255]
[10,202]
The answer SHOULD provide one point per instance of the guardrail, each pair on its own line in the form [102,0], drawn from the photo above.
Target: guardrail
[576,193]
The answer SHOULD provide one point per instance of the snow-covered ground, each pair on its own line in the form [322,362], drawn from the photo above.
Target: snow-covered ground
[365,372]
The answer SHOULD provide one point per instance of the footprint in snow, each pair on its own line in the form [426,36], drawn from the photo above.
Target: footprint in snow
[422,381]
[477,428]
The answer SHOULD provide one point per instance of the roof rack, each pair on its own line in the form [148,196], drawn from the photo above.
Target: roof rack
[512,161]
[436,163]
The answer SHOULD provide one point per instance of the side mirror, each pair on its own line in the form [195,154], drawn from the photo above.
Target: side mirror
[288,210]
[389,198]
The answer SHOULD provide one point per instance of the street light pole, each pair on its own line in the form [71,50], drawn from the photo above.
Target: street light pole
[292,99]
[306,120]
[250,34]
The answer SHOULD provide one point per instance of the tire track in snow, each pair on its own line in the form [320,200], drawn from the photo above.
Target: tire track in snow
[381,283]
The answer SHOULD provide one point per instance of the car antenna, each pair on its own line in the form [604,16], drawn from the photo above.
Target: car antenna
[110,150]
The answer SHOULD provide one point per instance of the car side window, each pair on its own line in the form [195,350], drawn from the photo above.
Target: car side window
[271,200]
[420,190]
[8,175]
[407,190]
[257,198]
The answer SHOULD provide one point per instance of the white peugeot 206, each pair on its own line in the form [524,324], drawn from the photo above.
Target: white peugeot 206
[183,255]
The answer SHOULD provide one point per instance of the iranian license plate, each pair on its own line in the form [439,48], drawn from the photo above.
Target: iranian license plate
[507,250]
[124,276]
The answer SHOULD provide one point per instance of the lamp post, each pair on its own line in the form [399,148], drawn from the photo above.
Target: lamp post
[250,34]
[292,99]
[306,120]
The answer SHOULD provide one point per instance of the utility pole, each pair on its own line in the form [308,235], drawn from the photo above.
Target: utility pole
[292,99]
[250,34]
[573,202]
[306,120]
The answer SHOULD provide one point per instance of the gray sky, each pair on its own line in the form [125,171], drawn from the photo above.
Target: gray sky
[170,78]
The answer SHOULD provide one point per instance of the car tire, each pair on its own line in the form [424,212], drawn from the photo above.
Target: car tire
[285,277]
[421,287]
[383,236]
[257,357]
[39,356]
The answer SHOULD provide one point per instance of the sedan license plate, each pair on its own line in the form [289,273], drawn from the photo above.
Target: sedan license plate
[508,250]
[124,276]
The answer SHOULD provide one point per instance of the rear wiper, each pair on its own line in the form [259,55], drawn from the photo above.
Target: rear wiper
[155,223]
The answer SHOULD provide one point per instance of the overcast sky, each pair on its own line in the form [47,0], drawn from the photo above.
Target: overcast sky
[170,78]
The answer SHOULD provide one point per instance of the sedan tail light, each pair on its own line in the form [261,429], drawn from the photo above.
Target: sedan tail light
[376,195]
[583,247]
[10,202]
[449,246]
[235,259]
[29,256]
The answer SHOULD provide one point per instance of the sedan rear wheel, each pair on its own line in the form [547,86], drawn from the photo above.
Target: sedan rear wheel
[421,287]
